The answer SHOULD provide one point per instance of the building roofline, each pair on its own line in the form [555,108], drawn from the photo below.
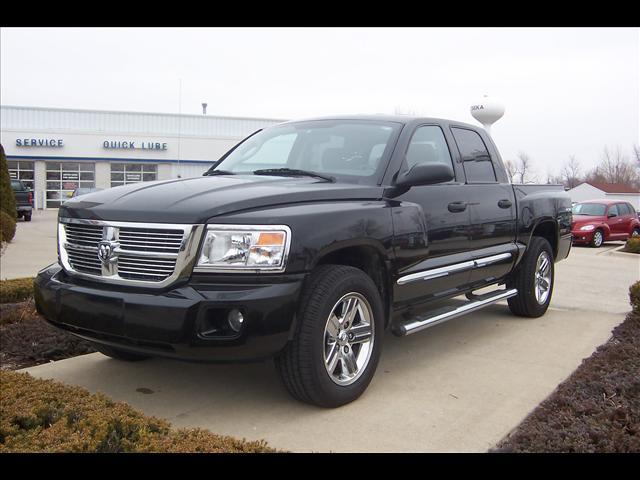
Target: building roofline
[131,112]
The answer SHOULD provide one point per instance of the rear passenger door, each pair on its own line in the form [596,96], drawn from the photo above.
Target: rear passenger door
[492,208]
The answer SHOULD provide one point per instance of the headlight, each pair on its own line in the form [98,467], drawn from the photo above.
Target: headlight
[587,228]
[244,248]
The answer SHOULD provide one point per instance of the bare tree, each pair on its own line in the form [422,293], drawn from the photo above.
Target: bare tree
[510,167]
[570,173]
[523,167]
[615,167]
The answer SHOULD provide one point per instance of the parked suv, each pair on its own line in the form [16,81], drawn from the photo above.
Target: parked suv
[305,242]
[599,221]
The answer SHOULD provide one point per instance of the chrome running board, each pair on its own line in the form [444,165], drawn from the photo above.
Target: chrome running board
[439,316]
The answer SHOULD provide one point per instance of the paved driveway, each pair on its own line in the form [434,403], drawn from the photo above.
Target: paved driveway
[460,386]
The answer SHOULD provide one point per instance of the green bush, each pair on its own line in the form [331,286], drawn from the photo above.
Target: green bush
[632,245]
[46,416]
[7,197]
[7,227]
[634,297]
[16,290]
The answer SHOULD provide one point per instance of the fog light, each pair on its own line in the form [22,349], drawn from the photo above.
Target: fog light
[235,320]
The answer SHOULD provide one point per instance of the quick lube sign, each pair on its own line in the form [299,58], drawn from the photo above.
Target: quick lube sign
[129,145]
[39,142]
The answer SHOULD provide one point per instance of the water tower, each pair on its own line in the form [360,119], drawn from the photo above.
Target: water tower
[488,111]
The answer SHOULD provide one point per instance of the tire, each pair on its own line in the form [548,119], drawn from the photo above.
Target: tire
[636,232]
[119,354]
[529,302]
[27,217]
[312,365]
[598,239]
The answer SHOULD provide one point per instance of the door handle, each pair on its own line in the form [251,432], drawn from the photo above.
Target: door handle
[455,207]
[504,203]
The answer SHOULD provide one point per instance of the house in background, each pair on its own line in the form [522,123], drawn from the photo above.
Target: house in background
[609,191]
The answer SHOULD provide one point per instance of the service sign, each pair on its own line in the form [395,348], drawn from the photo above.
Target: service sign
[39,142]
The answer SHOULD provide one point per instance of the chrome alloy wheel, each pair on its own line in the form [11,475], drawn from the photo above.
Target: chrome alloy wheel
[348,339]
[543,277]
[597,238]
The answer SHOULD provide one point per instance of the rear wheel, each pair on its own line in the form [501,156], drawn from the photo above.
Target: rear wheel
[636,232]
[119,354]
[598,239]
[533,279]
[27,217]
[336,346]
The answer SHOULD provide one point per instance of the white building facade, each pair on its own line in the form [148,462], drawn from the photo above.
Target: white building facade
[596,191]
[54,151]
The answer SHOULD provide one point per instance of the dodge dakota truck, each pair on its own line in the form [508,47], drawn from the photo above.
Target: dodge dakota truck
[306,242]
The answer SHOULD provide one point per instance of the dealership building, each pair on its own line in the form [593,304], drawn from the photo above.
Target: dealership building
[54,151]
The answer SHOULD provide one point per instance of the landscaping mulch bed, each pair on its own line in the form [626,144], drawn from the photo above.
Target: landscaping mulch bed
[597,409]
[26,339]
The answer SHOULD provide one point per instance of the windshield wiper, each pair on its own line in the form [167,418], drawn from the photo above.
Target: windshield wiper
[209,173]
[293,172]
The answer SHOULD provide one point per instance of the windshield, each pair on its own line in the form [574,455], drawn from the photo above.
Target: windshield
[592,209]
[350,150]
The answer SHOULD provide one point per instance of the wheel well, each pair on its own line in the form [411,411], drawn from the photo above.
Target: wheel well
[370,261]
[548,231]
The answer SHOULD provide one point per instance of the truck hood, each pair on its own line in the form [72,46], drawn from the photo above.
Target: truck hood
[196,200]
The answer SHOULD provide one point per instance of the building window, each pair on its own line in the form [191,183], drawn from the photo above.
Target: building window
[126,173]
[64,177]
[22,171]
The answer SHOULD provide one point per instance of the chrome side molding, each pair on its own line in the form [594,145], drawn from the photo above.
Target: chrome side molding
[455,268]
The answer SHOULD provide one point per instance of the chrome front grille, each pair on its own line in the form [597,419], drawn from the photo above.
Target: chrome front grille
[128,253]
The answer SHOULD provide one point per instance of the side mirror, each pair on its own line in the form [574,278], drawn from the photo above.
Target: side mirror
[425,174]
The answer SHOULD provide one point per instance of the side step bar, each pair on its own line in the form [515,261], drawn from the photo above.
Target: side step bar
[434,318]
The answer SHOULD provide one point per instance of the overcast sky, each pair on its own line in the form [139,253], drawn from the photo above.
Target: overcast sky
[566,91]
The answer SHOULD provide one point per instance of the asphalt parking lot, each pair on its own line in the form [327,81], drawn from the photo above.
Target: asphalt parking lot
[457,387]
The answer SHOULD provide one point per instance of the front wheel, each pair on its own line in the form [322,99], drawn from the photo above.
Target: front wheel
[533,279]
[598,239]
[336,346]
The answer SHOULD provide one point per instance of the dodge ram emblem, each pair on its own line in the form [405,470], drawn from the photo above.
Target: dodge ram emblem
[105,250]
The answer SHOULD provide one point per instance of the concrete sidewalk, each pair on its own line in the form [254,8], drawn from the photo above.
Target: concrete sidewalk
[457,387]
[33,247]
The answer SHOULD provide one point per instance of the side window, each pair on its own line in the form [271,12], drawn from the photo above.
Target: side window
[629,209]
[613,210]
[477,163]
[428,146]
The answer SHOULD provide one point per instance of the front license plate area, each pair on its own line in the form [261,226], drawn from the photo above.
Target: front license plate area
[92,312]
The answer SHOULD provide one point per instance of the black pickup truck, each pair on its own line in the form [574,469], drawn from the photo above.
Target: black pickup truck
[24,199]
[305,242]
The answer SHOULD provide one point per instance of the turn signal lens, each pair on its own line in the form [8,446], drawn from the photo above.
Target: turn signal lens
[271,239]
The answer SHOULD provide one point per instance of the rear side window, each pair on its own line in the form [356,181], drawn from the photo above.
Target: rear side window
[626,209]
[428,146]
[613,210]
[477,164]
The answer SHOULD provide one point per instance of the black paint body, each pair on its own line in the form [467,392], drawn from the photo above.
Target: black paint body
[397,231]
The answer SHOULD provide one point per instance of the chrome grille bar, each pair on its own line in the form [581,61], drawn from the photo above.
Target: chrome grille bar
[150,255]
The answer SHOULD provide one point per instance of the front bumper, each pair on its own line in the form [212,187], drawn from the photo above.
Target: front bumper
[173,322]
[582,236]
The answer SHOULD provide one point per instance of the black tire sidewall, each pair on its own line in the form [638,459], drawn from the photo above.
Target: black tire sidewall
[328,392]
[528,305]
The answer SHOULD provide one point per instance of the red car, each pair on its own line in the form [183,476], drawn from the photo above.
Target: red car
[598,221]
